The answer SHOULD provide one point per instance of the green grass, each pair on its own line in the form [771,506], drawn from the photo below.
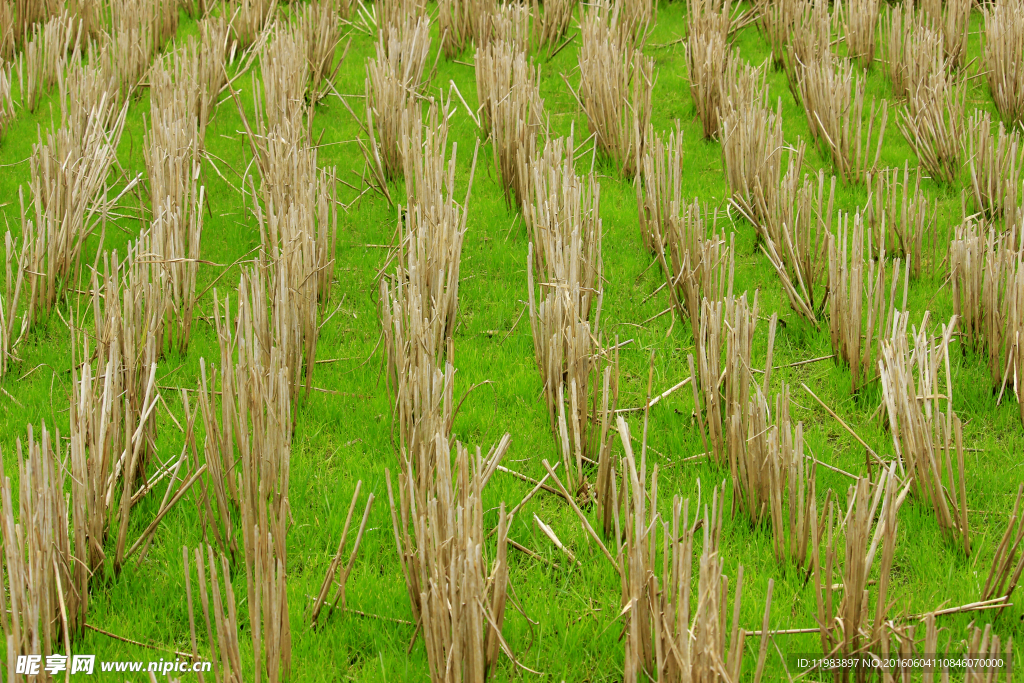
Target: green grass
[570,630]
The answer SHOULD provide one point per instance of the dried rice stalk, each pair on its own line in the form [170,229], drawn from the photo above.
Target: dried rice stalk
[951,18]
[934,124]
[928,442]
[616,82]
[10,300]
[7,37]
[512,111]
[457,598]
[810,41]
[460,22]
[848,628]
[833,99]
[45,604]
[897,206]
[776,19]
[321,597]
[551,25]
[913,50]
[996,164]
[393,81]
[1004,57]
[222,633]
[861,21]
[709,17]
[772,480]
[248,20]
[705,63]
[860,316]
[394,17]
[510,23]
[28,13]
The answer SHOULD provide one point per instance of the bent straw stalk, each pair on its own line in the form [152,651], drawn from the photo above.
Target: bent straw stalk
[346,571]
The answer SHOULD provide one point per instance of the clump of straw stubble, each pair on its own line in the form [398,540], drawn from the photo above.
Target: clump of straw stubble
[393,80]
[15,262]
[248,20]
[46,607]
[913,50]
[860,314]
[659,184]
[616,85]
[833,99]
[951,20]
[861,21]
[512,112]
[551,23]
[1004,57]
[1007,561]
[46,55]
[849,627]
[810,39]
[928,442]
[332,570]
[800,257]
[773,481]
[565,316]
[320,26]
[897,206]
[775,20]
[457,595]
[460,22]
[996,163]
[706,54]
[934,123]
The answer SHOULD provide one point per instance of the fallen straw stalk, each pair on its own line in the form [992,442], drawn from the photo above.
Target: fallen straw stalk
[46,608]
[861,316]
[346,571]
[456,594]
[833,99]
[616,85]
[512,112]
[928,442]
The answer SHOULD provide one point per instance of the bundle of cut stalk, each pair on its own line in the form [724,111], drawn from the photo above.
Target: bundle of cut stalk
[318,22]
[552,23]
[44,602]
[68,185]
[1004,57]
[285,72]
[800,257]
[810,40]
[659,184]
[393,18]
[913,50]
[6,30]
[860,316]
[849,628]
[460,22]
[664,640]
[512,111]
[934,124]
[928,442]
[1007,561]
[46,54]
[332,570]
[951,19]
[248,20]
[89,12]
[776,19]
[900,207]
[705,63]
[735,319]
[456,594]
[987,273]
[861,21]
[10,335]
[393,82]
[709,16]
[833,99]
[616,82]
[996,163]
[695,259]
